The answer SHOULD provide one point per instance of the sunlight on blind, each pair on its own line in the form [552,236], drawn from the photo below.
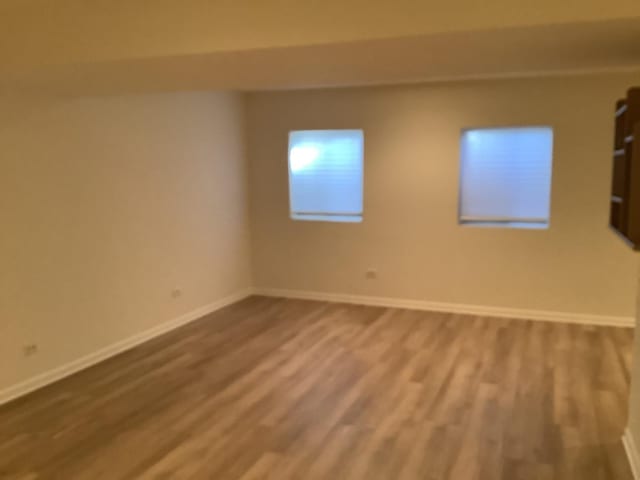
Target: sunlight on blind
[325,175]
[505,176]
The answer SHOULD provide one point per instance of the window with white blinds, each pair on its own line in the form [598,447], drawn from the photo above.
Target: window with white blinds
[505,176]
[325,175]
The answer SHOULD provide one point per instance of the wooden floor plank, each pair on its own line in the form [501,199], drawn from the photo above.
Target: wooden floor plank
[291,389]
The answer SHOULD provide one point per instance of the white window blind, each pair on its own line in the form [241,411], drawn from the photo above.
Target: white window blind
[505,176]
[325,175]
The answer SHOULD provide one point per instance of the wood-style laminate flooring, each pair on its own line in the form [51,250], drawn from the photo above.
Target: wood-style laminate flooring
[291,389]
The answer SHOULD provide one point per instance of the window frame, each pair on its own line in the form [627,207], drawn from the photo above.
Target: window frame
[530,223]
[330,217]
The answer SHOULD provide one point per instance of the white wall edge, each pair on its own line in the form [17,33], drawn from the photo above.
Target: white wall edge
[58,373]
[633,454]
[490,311]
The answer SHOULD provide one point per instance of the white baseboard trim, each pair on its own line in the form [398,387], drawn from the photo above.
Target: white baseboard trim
[75,366]
[51,376]
[517,313]
[633,454]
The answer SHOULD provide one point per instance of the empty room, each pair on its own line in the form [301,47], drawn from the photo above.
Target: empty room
[303,240]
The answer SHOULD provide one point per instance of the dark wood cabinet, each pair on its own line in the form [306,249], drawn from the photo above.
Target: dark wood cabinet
[624,216]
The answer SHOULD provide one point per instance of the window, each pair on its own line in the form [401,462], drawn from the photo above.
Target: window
[505,176]
[325,175]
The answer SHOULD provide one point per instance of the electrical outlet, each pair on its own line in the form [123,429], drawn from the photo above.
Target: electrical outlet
[371,274]
[176,293]
[30,349]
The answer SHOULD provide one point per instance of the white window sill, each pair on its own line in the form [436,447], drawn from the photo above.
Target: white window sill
[308,217]
[508,224]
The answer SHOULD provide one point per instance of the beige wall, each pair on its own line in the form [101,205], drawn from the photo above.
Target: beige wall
[410,232]
[106,206]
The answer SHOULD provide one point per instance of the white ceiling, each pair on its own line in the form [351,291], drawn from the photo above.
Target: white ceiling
[118,54]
